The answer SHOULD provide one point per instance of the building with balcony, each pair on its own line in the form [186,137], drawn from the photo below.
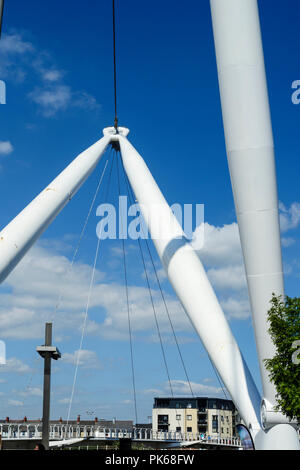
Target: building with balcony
[197,415]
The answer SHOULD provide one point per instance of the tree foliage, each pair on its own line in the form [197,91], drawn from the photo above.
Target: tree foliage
[284,367]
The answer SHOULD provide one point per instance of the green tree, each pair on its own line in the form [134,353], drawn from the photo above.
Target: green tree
[284,367]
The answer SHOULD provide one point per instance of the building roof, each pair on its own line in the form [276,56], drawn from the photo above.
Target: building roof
[194,402]
[126,424]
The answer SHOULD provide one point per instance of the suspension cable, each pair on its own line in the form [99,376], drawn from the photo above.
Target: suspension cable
[128,307]
[152,303]
[115,65]
[131,196]
[87,306]
[167,310]
[35,359]
[60,297]
[1,15]
[130,192]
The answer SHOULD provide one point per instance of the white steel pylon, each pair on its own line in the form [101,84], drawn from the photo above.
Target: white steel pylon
[249,144]
[182,264]
[250,153]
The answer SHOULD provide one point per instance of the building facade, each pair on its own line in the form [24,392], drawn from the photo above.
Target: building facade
[197,415]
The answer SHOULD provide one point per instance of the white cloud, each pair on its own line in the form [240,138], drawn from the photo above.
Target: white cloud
[64,401]
[222,257]
[181,387]
[289,217]
[15,402]
[221,246]
[6,147]
[20,58]
[55,98]
[15,365]
[287,241]
[14,55]
[236,308]
[228,278]
[51,100]
[51,75]
[29,391]
[15,44]
[86,359]
[31,292]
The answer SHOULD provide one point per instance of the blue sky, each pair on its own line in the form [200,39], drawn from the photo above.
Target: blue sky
[56,61]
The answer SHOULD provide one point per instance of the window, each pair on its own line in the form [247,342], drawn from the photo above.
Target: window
[188,429]
[178,429]
[222,430]
[163,419]
[163,422]
[178,417]
[215,426]
[189,417]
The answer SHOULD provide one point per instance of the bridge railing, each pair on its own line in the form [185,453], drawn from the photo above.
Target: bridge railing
[67,431]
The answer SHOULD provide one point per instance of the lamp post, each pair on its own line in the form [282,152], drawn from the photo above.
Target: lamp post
[47,352]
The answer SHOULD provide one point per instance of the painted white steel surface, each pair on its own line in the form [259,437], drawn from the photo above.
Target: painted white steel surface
[21,233]
[189,280]
[279,437]
[250,152]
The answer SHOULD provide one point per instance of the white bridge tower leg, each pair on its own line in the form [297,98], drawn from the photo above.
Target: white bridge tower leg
[22,232]
[189,280]
[250,152]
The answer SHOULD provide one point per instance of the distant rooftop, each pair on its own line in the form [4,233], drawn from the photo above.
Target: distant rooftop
[193,402]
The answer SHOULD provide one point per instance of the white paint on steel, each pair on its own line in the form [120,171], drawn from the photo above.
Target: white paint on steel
[188,277]
[250,151]
[21,233]
[279,437]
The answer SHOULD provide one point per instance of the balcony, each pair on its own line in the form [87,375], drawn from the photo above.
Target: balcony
[202,421]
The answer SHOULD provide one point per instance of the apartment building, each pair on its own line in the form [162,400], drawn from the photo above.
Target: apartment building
[204,415]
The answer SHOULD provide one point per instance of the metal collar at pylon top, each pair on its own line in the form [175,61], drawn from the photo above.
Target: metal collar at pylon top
[113,133]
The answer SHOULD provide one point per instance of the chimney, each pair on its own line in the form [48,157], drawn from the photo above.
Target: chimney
[78,419]
[60,419]
[7,419]
[25,419]
[96,420]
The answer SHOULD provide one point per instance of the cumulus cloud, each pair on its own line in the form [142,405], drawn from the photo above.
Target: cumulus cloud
[222,257]
[29,391]
[15,365]
[59,97]
[86,359]
[31,293]
[6,147]
[221,247]
[15,402]
[51,100]
[181,387]
[15,52]
[20,58]
[289,216]
[15,44]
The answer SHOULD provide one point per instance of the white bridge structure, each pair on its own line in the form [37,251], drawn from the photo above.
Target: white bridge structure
[249,143]
[66,434]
